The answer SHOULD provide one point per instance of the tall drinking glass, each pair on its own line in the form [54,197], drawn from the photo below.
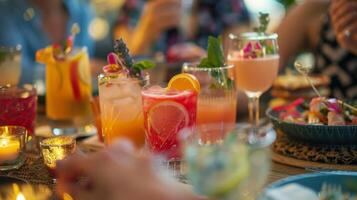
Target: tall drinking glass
[217,100]
[121,108]
[166,113]
[68,90]
[10,65]
[256,60]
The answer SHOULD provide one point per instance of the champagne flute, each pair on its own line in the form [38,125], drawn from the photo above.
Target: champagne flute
[256,59]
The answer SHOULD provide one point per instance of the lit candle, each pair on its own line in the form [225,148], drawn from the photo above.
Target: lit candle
[9,149]
[20,196]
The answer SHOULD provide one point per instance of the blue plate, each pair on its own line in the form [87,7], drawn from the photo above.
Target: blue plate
[314,181]
[318,134]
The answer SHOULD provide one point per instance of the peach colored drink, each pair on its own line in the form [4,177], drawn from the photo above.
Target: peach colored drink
[255,75]
[218,110]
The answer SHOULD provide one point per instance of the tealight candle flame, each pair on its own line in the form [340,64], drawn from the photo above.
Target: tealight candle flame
[20,196]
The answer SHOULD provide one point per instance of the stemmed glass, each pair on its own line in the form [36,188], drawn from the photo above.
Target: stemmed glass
[256,59]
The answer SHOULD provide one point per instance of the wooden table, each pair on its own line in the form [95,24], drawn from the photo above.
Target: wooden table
[279,171]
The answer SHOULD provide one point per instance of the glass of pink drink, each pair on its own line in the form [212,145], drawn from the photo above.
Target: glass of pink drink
[166,113]
[18,107]
[256,60]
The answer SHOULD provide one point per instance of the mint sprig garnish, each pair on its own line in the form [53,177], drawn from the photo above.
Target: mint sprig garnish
[215,59]
[134,68]
[264,20]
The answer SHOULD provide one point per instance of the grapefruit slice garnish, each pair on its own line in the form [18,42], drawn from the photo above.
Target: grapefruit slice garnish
[167,118]
[75,80]
[184,81]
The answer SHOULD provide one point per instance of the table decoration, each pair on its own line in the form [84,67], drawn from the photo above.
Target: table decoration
[56,148]
[12,144]
[25,192]
[314,156]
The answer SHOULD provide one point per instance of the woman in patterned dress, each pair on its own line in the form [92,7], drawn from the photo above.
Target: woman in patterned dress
[329,30]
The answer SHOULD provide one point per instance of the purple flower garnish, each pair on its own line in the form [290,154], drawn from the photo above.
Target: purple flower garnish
[334,106]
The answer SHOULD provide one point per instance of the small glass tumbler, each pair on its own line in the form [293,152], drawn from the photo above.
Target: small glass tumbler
[56,148]
[12,145]
[10,65]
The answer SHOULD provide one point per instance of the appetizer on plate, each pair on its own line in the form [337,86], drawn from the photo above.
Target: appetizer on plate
[319,111]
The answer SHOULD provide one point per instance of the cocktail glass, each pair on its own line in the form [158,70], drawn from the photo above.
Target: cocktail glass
[68,90]
[166,112]
[256,60]
[121,108]
[10,65]
[217,100]
[227,165]
[18,106]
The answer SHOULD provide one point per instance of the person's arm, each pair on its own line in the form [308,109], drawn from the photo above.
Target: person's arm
[122,174]
[294,30]
[157,17]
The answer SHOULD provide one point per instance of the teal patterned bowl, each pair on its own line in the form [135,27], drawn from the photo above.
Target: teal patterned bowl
[318,134]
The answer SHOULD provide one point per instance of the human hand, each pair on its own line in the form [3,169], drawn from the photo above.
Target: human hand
[115,173]
[159,16]
[187,52]
[343,15]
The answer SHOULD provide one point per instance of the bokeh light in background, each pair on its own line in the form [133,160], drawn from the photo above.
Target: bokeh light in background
[273,7]
[99,28]
[107,11]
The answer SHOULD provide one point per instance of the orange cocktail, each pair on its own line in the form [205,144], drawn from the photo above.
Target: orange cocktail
[68,83]
[217,98]
[121,108]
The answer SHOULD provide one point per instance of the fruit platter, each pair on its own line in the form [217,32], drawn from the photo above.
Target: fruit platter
[321,120]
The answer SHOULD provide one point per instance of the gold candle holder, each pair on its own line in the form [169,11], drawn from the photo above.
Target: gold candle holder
[12,145]
[56,148]
[25,192]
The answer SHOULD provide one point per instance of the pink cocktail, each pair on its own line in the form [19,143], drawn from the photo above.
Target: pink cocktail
[256,59]
[166,113]
[18,107]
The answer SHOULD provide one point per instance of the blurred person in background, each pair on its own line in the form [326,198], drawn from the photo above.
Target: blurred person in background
[35,24]
[123,173]
[156,25]
[329,30]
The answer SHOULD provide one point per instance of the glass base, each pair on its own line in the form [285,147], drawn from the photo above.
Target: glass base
[10,165]
[72,128]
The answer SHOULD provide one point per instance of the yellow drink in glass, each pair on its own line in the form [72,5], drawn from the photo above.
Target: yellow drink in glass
[68,85]
[121,108]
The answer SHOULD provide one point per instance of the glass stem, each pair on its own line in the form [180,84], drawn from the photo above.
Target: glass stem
[253,107]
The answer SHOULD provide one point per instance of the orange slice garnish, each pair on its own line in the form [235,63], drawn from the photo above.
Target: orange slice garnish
[43,55]
[184,81]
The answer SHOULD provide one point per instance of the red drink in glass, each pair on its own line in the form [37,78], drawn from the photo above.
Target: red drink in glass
[18,107]
[166,113]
